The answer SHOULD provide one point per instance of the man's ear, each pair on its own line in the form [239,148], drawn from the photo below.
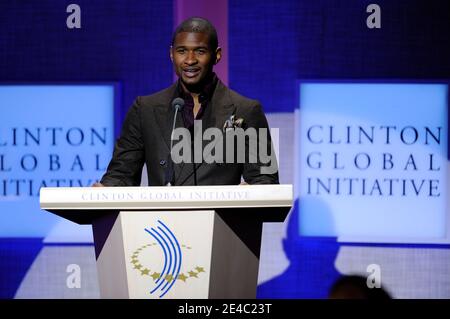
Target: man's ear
[171,54]
[218,55]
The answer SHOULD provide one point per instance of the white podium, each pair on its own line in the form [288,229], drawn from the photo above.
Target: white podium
[174,242]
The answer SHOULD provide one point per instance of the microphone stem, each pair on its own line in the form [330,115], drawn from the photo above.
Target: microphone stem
[173,129]
[170,162]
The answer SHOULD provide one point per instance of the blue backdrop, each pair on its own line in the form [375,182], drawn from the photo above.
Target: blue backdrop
[272,43]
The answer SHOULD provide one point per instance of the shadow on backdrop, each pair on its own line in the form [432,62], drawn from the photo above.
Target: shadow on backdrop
[311,271]
[355,287]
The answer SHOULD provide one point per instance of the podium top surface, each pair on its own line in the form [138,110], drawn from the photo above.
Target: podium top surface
[81,200]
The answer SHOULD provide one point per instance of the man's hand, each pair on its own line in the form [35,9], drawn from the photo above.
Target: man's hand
[98,185]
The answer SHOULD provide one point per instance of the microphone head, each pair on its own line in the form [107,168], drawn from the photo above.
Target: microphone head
[178,103]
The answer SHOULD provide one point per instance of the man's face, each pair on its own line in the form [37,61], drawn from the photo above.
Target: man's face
[192,58]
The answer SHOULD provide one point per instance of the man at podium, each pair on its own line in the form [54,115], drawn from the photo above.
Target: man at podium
[202,112]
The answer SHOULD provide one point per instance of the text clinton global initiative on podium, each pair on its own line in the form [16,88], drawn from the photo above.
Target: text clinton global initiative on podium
[166,195]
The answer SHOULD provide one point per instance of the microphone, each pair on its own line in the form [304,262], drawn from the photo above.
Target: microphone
[177,105]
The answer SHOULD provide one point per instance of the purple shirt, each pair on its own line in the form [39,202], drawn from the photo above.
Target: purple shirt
[203,98]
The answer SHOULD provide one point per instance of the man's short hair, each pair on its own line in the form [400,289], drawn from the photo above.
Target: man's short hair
[198,25]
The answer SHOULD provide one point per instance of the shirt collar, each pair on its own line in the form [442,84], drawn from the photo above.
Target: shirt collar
[205,94]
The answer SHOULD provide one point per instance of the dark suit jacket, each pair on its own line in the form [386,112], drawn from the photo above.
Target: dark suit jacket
[145,138]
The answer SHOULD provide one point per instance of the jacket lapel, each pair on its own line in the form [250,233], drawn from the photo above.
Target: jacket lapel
[164,116]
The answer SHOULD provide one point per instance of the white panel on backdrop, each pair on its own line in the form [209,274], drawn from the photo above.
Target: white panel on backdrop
[50,135]
[372,161]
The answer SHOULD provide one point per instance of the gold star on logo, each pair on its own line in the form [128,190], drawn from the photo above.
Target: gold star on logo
[155,275]
[138,266]
[169,278]
[182,277]
[134,261]
[145,272]
[200,269]
[193,274]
